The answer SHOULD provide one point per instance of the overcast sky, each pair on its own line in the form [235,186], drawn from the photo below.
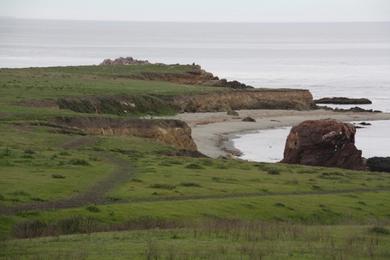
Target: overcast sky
[201,10]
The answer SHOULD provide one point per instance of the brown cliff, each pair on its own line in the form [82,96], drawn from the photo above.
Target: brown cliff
[245,99]
[171,132]
[329,143]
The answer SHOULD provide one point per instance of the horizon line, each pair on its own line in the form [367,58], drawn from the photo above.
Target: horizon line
[182,21]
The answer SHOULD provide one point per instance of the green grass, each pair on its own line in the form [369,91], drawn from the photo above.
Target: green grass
[18,86]
[212,240]
[208,177]
[55,82]
[176,207]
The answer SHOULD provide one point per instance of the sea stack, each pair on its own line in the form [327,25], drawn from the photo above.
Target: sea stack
[328,143]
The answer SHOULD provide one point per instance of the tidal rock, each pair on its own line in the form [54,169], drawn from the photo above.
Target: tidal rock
[248,119]
[343,101]
[231,112]
[379,164]
[328,143]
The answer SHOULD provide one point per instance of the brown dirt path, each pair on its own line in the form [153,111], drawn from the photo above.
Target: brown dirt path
[94,195]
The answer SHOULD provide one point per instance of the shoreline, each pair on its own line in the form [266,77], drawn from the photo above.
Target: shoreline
[213,131]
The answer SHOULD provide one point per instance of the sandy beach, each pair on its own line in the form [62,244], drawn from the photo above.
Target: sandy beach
[213,131]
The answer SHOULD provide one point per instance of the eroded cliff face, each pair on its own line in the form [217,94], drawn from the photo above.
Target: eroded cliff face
[171,132]
[246,99]
[210,102]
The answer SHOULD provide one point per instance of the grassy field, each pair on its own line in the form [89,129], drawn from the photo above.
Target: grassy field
[72,196]
[214,240]
[19,87]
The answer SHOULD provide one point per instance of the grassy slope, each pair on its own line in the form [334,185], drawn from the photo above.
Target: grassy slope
[294,201]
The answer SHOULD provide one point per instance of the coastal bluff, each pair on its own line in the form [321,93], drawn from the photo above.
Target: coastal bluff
[293,99]
[218,101]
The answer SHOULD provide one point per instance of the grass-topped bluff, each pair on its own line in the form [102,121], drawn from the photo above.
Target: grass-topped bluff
[83,176]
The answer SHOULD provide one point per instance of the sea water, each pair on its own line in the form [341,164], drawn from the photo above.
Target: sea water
[268,145]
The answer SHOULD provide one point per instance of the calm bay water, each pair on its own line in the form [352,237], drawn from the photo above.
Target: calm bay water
[268,145]
[330,59]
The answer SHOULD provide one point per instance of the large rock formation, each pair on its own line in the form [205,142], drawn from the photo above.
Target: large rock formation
[379,164]
[172,132]
[124,61]
[329,143]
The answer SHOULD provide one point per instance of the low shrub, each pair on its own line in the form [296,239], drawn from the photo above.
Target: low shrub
[380,230]
[57,176]
[194,166]
[29,151]
[190,184]
[93,209]
[80,162]
[273,171]
[164,186]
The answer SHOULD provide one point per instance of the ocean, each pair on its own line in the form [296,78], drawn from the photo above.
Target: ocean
[330,59]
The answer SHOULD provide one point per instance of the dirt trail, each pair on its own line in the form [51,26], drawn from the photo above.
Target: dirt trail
[94,195]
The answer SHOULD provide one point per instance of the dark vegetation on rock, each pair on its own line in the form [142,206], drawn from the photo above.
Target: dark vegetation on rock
[329,143]
[343,101]
[379,164]
[352,109]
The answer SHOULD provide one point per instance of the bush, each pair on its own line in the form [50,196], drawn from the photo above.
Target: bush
[29,151]
[190,184]
[380,230]
[57,176]
[79,162]
[93,209]
[163,186]
[273,171]
[194,166]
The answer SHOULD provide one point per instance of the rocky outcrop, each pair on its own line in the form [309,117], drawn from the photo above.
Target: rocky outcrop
[124,61]
[171,132]
[245,99]
[379,164]
[180,74]
[343,101]
[329,143]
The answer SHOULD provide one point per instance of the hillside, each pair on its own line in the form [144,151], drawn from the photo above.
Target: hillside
[83,179]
